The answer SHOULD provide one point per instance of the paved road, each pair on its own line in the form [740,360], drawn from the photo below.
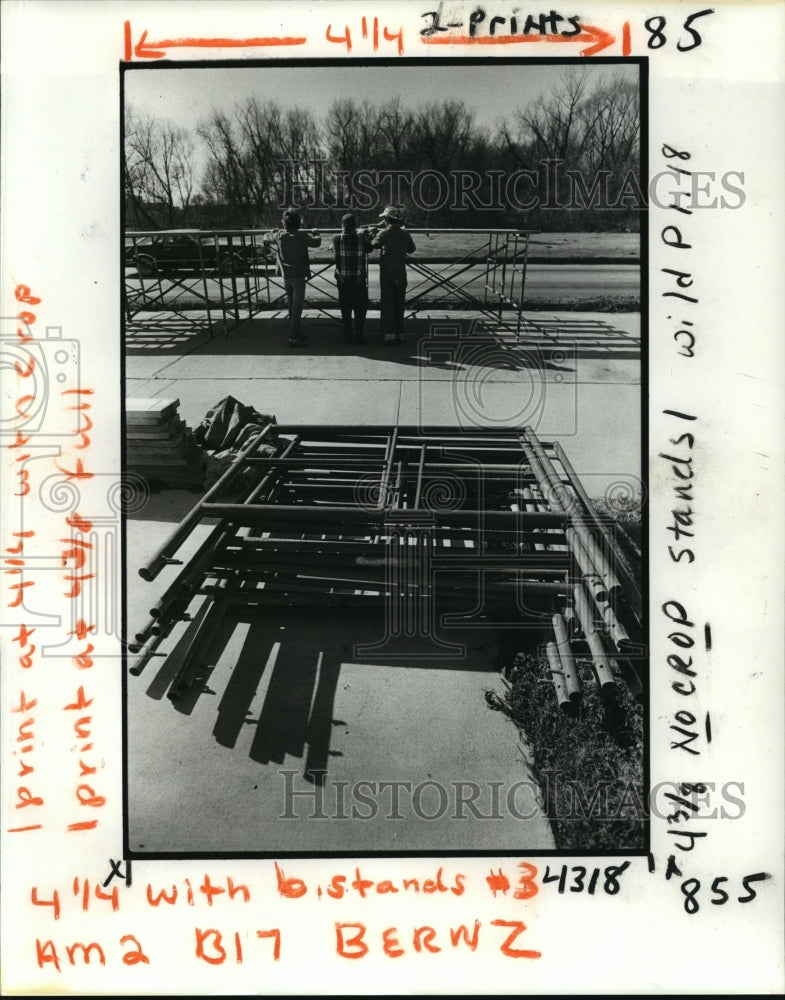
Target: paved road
[586,279]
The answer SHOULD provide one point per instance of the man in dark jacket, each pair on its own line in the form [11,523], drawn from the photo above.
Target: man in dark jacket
[294,266]
[351,249]
[395,244]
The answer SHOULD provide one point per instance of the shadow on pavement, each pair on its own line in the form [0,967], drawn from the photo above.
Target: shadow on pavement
[425,345]
[299,670]
[429,342]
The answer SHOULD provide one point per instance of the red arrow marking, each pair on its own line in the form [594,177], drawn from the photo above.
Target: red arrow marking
[157,50]
[599,38]
[602,39]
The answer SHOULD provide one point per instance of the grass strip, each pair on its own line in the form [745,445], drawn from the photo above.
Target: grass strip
[590,765]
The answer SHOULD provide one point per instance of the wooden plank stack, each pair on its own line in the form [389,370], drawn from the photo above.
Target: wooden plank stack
[160,446]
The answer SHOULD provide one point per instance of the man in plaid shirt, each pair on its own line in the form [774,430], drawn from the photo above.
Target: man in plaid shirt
[351,249]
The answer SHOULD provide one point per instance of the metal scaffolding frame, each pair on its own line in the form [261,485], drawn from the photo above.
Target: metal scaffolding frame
[231,295]
[435,527]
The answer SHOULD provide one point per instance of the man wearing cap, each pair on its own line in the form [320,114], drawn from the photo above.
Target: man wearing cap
[351,249]
[294,266]
[395,244]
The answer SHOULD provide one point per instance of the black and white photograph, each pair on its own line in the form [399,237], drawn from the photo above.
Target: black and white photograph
[385,566]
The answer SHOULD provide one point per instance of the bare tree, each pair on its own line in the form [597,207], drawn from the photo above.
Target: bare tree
[612,125]
[589,128]
[158,168]
[552,128]
[396,124]
[353,134]
[441,135]
[579,124]
[258,156]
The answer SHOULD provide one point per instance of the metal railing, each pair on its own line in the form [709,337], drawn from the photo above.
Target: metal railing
[231,275]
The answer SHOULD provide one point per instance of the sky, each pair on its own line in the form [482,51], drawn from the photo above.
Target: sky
[186,96]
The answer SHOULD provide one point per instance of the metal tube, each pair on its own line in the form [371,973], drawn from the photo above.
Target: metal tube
[465,583]
[579,522]
[434,433]
[144,655]
[616,631]
[549,477]
[554,501]
[388,461]
[540,504]
[447,539]
[194,566]
[600,596]
[586,566]
[436,279]
[598,559]
[570,620]
[277,513]
[557,676]
[531,505]
[523,279]
[453,454]
[257,491]
[141,636]
[196,650]
[602,666]
[176,611]
[420,467]
[632,590]
[263,560]
[351,604]
[571,679]
[164,554]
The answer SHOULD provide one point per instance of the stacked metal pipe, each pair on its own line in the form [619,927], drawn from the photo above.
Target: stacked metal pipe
[353,520]
[601,609]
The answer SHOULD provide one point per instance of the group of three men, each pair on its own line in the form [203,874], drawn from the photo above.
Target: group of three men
[351,248]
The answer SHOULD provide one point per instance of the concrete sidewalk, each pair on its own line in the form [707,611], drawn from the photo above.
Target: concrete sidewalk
[578,381]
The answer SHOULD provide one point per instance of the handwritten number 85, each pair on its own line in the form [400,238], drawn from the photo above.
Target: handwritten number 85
[656,28]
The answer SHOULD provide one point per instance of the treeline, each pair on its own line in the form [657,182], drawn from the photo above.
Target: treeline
[569,161]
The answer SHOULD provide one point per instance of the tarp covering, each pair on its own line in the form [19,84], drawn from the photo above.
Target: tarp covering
[224,429]
[229,425]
